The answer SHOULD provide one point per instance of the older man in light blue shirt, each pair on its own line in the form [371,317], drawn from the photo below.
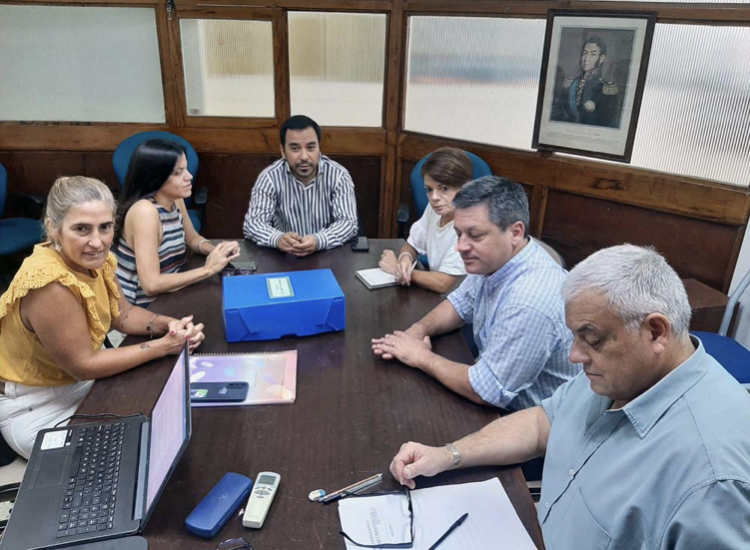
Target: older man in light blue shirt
[511,297]
[649,448]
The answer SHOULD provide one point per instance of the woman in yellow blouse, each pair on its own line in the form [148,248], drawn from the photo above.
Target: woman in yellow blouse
[58,310]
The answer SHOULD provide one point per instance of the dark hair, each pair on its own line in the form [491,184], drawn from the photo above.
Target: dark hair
[598,41]
[449,166]
[151,165]
[298,122]
[506,199]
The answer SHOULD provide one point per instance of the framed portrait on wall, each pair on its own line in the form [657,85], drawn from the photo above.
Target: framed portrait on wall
[591,84]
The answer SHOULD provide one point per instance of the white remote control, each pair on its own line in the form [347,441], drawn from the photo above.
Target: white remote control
[260,499]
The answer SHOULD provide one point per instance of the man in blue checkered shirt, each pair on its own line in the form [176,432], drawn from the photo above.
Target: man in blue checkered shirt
[512,296]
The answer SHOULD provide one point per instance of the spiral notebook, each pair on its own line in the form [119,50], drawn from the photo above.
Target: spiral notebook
[271,377]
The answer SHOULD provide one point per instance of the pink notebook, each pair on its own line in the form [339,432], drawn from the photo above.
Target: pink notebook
[271,377]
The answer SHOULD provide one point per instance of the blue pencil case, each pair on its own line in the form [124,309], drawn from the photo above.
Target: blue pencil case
[218,505]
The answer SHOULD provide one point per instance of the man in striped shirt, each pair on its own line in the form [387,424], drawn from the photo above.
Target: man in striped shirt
[303,202]
[513,298]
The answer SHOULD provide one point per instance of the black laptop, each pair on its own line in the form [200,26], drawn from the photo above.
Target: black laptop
[101,479]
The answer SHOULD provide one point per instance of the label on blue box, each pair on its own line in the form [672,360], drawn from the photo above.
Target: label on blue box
[270,306]
[279,287]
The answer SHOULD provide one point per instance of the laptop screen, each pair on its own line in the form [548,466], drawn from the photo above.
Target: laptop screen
[170,429]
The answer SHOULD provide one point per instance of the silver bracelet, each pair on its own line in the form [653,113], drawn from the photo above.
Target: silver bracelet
[200,244]
[456,455]
[150,326]
[411,258]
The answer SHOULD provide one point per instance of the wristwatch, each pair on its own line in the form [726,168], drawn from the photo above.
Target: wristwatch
[456,455]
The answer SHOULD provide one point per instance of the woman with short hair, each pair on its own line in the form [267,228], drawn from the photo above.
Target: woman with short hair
[58,310]
[444,173]
[154,228]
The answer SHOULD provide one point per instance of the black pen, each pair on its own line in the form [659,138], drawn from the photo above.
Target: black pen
[453,527]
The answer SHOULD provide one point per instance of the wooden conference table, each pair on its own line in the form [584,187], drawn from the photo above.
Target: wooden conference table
[352,412]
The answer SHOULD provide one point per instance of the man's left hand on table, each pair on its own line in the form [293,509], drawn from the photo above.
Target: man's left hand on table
[400,345]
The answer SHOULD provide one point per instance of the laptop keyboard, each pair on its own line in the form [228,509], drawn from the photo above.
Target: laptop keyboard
[89,503]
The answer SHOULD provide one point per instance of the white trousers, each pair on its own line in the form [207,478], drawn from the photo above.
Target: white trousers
[24,410]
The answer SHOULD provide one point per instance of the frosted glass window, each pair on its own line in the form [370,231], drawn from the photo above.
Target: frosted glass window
[228,67]
[337,67]
[474,78]
[87,64]
[695,115]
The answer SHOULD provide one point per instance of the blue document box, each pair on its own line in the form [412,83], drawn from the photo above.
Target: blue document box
[269,306]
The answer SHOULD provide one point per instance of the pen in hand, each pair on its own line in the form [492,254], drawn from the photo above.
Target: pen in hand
[452,528]
[411,270]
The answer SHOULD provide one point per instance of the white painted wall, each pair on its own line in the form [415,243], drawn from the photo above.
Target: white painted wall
[742,332]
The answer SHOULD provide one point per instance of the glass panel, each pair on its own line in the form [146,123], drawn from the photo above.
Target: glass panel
[474,78]
[228,67]
[695,115]
[337,67]
[87,64]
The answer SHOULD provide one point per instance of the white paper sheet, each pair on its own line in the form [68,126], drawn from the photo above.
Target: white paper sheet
[492,522]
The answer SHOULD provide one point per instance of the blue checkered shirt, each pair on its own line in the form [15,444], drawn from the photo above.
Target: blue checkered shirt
[519,328]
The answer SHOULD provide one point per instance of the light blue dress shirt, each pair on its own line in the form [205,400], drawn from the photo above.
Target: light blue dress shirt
[670,470]
[519,328]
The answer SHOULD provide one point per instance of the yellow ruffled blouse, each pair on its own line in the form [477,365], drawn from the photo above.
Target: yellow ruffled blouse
[23,359]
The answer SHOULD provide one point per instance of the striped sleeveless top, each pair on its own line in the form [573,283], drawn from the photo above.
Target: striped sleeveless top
[172,255]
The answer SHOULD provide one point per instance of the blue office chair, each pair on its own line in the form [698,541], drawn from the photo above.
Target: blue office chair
[16,234]
[732,355]
[121,161]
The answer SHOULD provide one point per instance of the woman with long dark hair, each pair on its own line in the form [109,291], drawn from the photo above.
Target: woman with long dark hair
[154,229]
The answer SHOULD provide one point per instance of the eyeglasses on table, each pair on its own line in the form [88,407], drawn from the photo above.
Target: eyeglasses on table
[234,544]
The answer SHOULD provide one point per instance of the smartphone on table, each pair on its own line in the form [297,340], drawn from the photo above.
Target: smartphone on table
[218,392]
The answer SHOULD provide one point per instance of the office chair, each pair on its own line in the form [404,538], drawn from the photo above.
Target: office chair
[732,355]
[16,234]
[554,254]
[121,161]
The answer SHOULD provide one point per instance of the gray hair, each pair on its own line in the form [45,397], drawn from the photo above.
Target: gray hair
[505,198]
[70,192]
[636,281]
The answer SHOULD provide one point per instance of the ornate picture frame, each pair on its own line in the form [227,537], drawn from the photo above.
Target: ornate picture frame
[591,84]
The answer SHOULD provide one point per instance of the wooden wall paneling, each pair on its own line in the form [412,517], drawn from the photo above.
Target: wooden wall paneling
[96,137]
[171,65]
[230,179]
[367,175]
[538,208]
[35,171]
[663,192]
[281,65]
[392,117]
[577,226]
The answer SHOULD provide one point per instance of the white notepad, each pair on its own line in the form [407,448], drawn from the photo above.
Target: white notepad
[376,278]
[385,519]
